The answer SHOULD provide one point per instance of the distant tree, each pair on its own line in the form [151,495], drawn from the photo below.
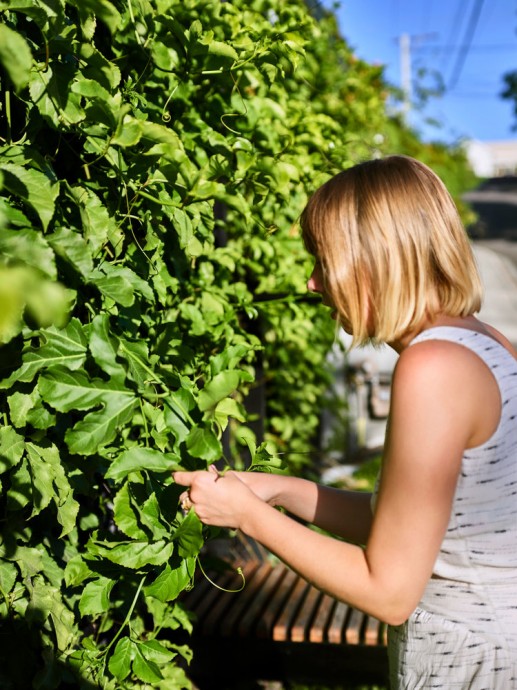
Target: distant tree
[510,92]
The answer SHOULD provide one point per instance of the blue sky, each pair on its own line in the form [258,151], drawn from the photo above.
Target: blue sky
[471,43]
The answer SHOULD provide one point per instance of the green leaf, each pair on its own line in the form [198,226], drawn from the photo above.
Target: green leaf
[12,446]
[129,132]
[15,57]
[222,50]
[120,284]
[46,602]
[76,571]
[91,89]
[228,408]
[13,299]
[51,483]
[20,491]
[28,559]
[144,669]
[121,659]
[26,408]
[140,459]
[171,581]
[102,9]
[221,386]
[95,597]
[73,390]
[153,650]
[33,187]
[126,514]
[151,517]
[136,353]
[99,428]
[97,223]
[203,443]
[67,511]
[42,476]
[72,247]
[175,416]
[50,91]
[65,347]
[189,536]
[8,576]
[104,347]
[30,247]
[135,555]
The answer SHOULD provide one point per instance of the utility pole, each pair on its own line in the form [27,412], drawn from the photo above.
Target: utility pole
[406,42]
[405,72]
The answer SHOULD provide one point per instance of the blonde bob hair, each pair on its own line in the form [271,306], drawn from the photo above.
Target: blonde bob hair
[392,249]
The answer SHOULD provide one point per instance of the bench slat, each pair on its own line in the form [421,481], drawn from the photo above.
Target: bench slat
[252,619]
[302,624]
[319,628]
[282,627]
[267,620]
[337,623]
[353,626]
[373,631]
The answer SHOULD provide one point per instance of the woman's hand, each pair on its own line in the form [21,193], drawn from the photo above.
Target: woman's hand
[264,485]
[220,500]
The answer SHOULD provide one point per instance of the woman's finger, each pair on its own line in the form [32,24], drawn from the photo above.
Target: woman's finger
[183,478]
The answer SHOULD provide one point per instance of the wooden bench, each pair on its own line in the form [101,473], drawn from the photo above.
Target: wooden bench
[279,627]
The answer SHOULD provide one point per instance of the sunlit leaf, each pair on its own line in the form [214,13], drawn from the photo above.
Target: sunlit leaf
[12,446]
[140,459]
[145,669]
[126,514]
[121,659]
[99,428]
[221,386]
[203,443]
[135,554]
[65,347]
[171,581]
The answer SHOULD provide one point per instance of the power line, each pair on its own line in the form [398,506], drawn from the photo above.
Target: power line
[454,30]
[489,47]
[462,54]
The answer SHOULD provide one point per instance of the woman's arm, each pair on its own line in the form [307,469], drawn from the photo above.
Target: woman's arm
[438,397]
[346,514]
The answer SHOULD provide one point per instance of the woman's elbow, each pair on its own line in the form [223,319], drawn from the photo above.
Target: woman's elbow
[394,610]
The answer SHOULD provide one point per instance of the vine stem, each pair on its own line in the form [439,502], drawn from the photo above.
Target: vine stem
[131,14]
[8,116]
[126,619]
[223,589]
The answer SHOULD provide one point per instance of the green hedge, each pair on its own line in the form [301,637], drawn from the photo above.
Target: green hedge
[154,158]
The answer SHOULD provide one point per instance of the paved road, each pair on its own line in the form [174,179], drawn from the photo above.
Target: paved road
[497,261]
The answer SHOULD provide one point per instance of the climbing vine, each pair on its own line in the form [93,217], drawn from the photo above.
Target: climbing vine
[154,158]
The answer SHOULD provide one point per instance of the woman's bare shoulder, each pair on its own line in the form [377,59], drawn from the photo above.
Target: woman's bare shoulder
[447,382]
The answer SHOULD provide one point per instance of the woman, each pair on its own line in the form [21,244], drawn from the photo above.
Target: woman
[435,554]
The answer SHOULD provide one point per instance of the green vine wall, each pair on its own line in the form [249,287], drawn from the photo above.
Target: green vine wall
[154,158]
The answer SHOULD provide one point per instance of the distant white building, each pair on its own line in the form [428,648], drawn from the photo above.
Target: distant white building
[492,158]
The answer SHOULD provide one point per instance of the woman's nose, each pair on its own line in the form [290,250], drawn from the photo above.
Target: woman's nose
[314,282]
